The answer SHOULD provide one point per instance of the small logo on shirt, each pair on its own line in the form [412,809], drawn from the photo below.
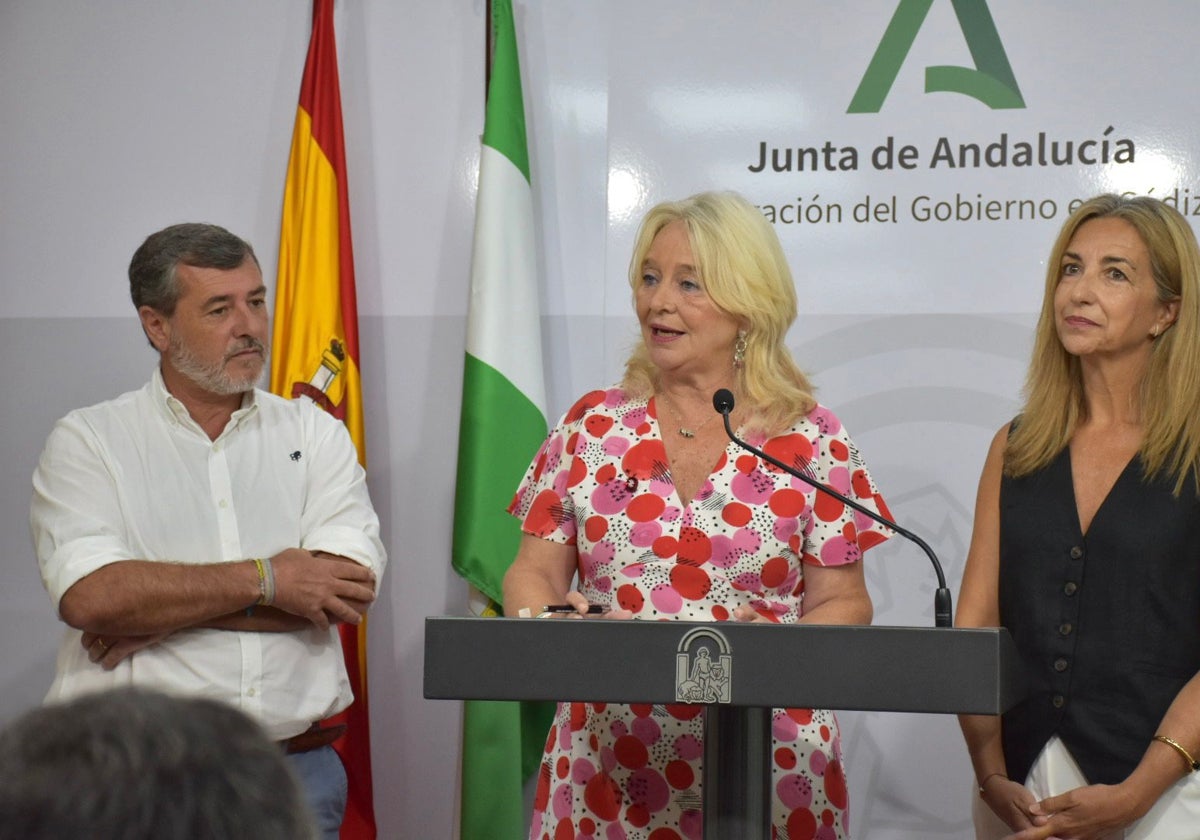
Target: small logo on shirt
[295,456]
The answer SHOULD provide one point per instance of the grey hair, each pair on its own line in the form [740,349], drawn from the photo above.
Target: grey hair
[138,764]
[152,280]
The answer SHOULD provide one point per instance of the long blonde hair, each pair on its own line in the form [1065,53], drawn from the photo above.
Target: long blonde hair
[1170,391]
[743,269]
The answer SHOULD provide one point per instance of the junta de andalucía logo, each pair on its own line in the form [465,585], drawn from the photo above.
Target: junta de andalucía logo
[991,80]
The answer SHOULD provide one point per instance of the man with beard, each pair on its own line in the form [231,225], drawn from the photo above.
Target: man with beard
[200,536]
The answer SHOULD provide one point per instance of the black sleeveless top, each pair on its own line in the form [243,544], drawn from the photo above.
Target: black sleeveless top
[1108,625]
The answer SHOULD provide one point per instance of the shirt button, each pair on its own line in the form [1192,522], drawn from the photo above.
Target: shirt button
[222,504]
[1070,588]
[251,693]
[1076,552]
[1060,664]
[1058,701]
[1065,629]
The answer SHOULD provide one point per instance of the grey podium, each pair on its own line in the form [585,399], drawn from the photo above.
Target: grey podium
[740,671]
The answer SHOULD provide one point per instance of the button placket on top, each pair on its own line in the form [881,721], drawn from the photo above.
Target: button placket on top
[225,512]
[1064,633]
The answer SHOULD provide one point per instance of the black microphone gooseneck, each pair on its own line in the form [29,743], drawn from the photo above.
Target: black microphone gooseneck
[942,610]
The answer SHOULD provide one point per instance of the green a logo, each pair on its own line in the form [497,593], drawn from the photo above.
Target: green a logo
[991,81]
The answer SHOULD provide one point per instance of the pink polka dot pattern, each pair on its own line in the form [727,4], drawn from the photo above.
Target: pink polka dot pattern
[601,482]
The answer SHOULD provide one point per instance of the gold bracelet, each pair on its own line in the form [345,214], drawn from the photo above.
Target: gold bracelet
[1192,765]
[987,779]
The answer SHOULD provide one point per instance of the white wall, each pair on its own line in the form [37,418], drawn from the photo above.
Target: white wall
[121,117]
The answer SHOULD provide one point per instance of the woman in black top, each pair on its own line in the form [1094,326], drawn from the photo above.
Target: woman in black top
[1087,543]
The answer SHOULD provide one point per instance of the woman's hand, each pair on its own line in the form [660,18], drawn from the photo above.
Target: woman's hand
[581,604]
[749,615]
[1012,802]
[1085,813]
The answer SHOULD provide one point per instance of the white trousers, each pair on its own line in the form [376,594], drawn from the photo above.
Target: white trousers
[1175,816]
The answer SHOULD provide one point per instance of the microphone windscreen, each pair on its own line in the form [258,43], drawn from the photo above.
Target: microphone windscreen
[723,401]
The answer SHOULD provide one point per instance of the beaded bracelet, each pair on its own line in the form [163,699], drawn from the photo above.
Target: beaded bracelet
[266,581]
[269,582]
[1192,764]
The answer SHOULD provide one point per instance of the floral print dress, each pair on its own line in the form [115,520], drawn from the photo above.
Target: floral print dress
[601,482]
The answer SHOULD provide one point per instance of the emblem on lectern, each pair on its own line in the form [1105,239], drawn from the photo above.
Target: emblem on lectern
[703,667]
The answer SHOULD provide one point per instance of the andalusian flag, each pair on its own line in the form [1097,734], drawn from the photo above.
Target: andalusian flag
[314,349]
[503,423]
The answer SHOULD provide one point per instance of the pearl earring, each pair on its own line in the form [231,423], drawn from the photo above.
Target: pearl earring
[739,350]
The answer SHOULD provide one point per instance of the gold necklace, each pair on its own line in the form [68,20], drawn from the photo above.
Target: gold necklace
[683,430]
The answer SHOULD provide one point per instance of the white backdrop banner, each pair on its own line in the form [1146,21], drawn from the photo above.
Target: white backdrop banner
[917,158]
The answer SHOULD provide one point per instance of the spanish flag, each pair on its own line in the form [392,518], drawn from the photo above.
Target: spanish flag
[314,348]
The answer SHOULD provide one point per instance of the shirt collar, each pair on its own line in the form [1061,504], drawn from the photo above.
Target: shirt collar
[177,411]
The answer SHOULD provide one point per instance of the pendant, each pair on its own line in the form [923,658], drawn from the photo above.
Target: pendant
[687,433]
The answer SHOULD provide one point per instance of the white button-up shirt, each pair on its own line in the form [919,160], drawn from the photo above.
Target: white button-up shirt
[135,478]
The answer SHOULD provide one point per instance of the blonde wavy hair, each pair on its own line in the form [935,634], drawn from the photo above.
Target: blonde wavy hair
[743,269]
[1170,391]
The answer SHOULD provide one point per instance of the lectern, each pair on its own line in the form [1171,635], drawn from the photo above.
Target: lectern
[740,671]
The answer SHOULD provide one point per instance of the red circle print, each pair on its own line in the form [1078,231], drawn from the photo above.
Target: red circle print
[694,545]
[787,502]
[645,460]
[801,716]
[595,527]
[801,825]
[866,539]
[682,711]
[578,716]
[602,796]
[541,794]
[736,514]
[629,597]
[578,472]
[835,785]
[637,815]
[679,774]
[827,508]
[690,582]
[746,464]
[664,833]
[587,401]
[861,484]
[545,514]
[646,507]
[793,450]
[597,425]
[785,758]
[839,450]
[665,547]
[631,752]
[774,572]
[606,474]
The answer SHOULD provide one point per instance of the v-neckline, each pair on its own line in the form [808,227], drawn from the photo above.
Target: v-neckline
[1083,532]
[712,469]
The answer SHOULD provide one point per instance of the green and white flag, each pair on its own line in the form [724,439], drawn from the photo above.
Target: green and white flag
[503,423]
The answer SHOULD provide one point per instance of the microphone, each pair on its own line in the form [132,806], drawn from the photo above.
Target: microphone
[942,609]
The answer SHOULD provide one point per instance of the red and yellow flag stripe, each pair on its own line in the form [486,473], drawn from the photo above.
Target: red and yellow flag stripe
[314,349]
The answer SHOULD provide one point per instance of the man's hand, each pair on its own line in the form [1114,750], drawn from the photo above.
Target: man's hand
[107,651]
[322,588]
